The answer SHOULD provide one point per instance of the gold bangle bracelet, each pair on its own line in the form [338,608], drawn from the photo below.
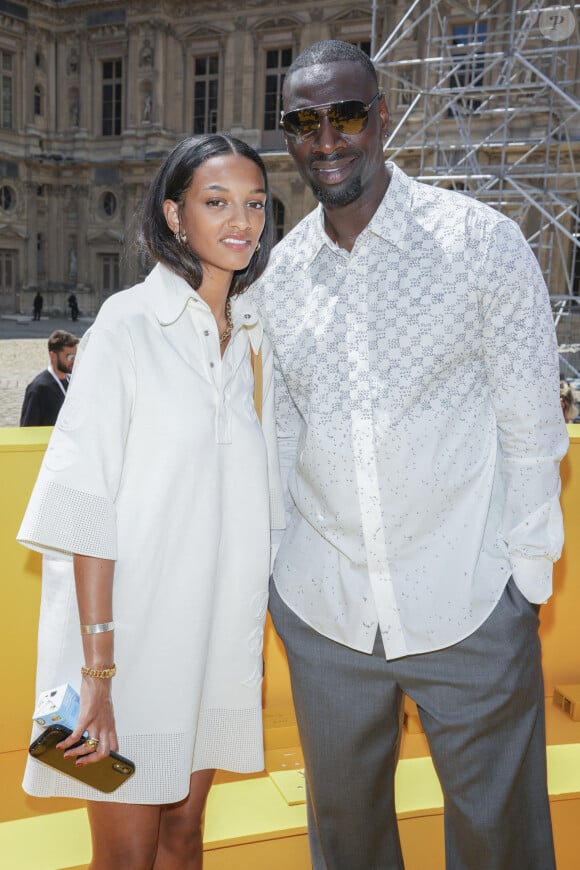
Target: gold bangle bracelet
[99,673]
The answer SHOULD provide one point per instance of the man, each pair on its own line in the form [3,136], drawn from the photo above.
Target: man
[418,399]
[569,401]
[44,396]
[74,307]
[37,304]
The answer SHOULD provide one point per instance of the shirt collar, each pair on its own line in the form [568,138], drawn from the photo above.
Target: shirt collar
[389,221]
[391,218]
[62,382]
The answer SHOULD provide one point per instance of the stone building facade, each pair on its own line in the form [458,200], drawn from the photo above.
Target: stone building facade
[94,95]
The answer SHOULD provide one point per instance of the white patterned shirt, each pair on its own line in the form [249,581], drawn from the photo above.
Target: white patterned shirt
[424,430]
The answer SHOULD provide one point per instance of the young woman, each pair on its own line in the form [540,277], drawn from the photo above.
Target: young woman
[153,508]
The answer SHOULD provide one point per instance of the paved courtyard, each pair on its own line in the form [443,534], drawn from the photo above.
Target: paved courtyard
[24,353]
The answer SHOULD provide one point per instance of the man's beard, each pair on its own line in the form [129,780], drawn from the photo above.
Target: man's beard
[63,367]
[331,198]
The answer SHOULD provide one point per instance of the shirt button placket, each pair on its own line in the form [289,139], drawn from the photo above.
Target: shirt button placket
[364,451]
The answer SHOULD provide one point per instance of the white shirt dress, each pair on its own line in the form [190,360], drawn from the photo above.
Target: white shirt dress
[159,462]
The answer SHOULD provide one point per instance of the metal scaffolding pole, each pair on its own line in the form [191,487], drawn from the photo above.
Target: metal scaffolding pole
[485,98]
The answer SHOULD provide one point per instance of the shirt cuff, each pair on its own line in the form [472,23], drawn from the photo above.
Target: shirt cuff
[533,577]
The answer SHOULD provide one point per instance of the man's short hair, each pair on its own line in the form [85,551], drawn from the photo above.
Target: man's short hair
[59,339]
[331,51]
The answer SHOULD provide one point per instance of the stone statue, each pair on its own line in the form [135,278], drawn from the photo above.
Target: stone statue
[147,107]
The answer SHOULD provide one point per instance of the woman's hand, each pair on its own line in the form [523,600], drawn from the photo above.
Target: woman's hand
[96,720]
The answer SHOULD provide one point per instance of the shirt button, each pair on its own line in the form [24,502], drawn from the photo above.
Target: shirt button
[206,332]
[211,365]
[247,316]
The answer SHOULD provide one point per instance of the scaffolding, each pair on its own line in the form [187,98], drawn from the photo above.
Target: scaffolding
[485,98]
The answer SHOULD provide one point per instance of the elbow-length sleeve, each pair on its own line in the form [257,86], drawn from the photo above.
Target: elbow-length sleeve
[72,506]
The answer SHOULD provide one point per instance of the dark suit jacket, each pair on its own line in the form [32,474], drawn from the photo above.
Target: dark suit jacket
[43,399]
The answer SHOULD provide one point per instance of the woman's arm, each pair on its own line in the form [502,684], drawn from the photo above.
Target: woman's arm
[94,588]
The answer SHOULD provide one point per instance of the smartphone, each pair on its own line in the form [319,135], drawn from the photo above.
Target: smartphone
[106,775]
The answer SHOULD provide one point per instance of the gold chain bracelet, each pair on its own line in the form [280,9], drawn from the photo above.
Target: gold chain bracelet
[99,673]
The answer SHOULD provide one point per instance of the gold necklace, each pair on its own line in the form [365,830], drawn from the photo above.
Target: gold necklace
[228,330]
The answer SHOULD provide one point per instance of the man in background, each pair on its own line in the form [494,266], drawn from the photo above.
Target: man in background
[44,396]
[37,306]
[74,307]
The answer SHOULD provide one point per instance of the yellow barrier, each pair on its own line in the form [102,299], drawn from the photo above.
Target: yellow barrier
[249,814]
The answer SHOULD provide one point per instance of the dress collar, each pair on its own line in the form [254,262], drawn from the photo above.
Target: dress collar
[171,295]
[246,317]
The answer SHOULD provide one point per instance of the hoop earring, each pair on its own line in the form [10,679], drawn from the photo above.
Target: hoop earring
[180,237]
[257,248]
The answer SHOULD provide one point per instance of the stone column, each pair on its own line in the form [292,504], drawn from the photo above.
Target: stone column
[30,277]
[81,194]
[54,235]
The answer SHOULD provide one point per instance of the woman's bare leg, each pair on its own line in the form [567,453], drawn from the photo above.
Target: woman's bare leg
[150,837]
[123,835]
[181,827]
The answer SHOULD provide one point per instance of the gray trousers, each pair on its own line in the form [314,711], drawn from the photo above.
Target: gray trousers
[481,703]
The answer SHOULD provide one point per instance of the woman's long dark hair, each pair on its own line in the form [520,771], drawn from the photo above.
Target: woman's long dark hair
[171,182]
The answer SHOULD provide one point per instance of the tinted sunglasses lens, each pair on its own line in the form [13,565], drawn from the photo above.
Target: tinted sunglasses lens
[349,116]
[302,122]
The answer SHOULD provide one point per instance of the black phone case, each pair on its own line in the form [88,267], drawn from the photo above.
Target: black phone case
[106,775]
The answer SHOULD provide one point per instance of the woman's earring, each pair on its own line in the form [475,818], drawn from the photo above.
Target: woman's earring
[180,237]
[257,248]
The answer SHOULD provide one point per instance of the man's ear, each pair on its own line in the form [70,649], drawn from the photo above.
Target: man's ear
[384,116]
[171,212]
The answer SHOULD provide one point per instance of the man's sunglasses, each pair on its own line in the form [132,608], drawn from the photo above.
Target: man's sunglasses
[346,116]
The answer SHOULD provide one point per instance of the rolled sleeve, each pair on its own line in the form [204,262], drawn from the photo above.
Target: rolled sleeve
[522,364]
